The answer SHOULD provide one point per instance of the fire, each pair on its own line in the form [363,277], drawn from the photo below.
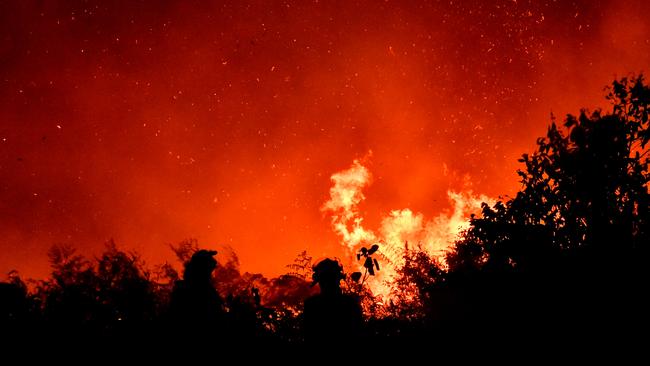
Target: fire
[398,227]
[345,196]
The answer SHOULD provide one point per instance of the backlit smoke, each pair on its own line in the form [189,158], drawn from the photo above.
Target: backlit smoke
[398,227]
[345,196]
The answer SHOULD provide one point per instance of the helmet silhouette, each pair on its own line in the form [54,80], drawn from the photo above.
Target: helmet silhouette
[328,271]
[201,265]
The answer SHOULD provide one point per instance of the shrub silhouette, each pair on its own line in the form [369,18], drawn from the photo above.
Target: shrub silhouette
[569,246]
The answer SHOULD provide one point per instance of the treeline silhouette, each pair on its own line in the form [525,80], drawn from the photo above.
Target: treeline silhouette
[564,261]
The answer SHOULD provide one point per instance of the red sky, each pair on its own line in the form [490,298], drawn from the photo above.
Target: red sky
[151,122]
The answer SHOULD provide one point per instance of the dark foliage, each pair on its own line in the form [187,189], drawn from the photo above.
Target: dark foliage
[568,252]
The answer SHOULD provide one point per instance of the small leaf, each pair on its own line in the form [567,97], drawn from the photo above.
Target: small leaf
[376,264]
[373,249]
[364,251]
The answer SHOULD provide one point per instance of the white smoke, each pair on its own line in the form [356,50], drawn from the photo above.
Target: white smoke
[398,227]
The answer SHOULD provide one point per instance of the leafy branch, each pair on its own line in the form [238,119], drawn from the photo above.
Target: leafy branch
[370,264]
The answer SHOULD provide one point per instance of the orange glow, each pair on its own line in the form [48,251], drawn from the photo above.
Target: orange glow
[397,228]
[152,122]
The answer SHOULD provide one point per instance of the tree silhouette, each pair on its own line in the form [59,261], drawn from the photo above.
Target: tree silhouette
[575,238]
[125,288]
[412,287]
[585,186]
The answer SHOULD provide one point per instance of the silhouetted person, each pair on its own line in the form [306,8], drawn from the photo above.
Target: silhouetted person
[195,304]
[331,316]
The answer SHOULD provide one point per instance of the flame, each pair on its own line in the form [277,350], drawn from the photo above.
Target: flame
[345,196]
[398,227]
